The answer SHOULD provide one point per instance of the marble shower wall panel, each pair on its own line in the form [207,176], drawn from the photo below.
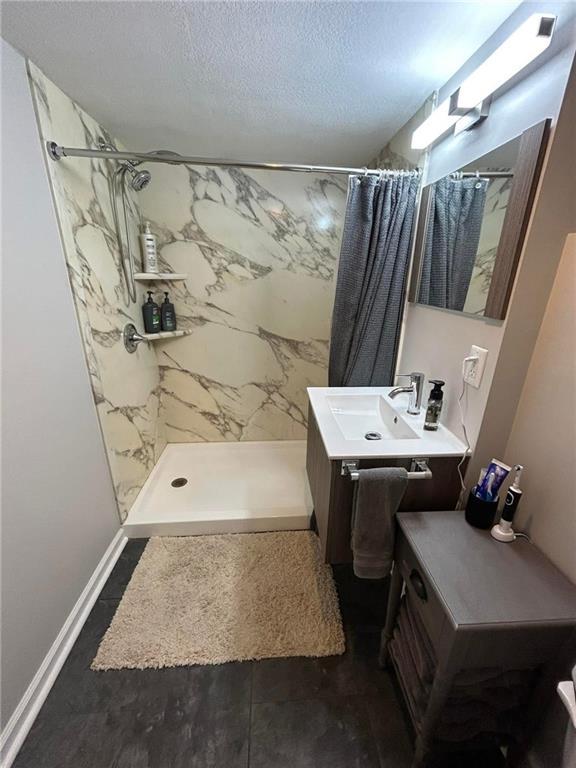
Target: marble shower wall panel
[125,387]
[260,250]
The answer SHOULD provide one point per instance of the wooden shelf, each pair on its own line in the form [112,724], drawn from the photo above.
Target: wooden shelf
[163,335]
[149,276]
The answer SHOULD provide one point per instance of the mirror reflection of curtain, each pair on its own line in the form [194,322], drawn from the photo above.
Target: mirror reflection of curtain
[453,233]
[372,278]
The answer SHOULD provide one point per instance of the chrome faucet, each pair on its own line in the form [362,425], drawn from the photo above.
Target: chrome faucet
[415,390]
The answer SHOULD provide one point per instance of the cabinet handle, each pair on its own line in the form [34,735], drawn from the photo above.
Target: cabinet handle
[418,584]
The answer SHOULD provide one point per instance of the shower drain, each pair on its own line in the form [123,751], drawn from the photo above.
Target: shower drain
[178,482]
[373,436]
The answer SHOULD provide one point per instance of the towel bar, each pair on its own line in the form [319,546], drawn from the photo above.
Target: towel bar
[419,470]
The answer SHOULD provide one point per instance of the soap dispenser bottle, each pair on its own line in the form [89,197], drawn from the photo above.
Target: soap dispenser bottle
[434,405]
[168,315]
[149,253]
[151,314]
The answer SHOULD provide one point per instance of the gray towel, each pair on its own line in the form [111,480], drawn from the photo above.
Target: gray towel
[377,496]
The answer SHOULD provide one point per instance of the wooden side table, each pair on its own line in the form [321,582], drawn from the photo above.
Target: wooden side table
[477,621]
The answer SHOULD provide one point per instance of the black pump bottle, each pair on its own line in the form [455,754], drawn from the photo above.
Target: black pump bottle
[434,405]
[151,315]
[168,314]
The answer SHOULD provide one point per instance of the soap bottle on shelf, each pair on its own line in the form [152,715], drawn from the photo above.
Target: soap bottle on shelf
[151,315]
[168,315]
[434,408]
[149,253]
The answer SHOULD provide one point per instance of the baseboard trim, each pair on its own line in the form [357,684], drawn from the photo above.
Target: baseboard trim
[23,717]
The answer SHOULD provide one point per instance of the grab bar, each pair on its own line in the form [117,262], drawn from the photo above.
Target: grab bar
[419,470]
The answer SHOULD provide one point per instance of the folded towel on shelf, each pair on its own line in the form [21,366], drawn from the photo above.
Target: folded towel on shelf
[377,496]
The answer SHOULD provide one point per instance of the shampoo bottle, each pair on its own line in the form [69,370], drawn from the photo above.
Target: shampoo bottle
[434,405]
[168,314]
[151,315]
[149,254]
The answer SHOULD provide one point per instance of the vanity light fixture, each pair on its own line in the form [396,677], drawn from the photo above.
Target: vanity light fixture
[434,126]
[524,45]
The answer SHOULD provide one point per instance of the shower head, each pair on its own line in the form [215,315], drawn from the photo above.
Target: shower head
[139,179]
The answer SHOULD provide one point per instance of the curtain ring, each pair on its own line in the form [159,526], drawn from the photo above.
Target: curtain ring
[365,169]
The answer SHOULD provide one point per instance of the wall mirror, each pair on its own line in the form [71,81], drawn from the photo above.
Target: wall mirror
[471,228]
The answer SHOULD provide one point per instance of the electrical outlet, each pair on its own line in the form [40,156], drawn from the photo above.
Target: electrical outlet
[474,369]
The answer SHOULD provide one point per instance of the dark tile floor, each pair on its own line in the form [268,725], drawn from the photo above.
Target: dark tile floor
[336,712]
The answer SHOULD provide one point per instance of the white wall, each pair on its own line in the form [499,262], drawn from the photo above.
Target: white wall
[58,508]
[543,436]
[436,340]
[553,219]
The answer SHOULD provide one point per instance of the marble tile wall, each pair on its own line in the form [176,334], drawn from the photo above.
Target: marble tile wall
[126,387]
[260,250]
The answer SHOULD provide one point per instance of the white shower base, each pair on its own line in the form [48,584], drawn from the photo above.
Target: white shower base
[231,488]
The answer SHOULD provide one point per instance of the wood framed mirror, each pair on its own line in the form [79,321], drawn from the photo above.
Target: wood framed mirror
[471,228]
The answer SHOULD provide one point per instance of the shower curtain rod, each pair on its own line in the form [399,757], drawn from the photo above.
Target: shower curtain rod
[57,152]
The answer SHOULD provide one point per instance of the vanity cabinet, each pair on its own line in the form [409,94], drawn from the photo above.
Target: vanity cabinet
[332,492]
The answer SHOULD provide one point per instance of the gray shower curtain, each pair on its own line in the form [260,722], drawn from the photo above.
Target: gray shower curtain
[453,233]
[372,278]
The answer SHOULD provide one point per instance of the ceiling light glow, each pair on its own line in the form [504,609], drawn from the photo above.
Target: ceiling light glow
[434,126]
[523,46]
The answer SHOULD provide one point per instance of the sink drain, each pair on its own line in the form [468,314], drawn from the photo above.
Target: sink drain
[373,436]
[178,482]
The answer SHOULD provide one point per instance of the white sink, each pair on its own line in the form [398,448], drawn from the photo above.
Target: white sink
[346,415]
[368,417]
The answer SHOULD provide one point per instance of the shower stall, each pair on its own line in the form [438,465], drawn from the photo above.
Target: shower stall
[228,487]
[205,427]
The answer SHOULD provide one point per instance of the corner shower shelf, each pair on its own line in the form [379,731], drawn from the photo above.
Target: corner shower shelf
[160,276]
[163,335]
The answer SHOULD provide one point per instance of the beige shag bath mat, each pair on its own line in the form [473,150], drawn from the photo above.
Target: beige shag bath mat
[231,597]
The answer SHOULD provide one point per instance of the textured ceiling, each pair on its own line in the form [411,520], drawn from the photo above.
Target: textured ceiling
[310,82]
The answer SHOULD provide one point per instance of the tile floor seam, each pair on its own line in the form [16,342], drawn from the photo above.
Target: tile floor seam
[311,697]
